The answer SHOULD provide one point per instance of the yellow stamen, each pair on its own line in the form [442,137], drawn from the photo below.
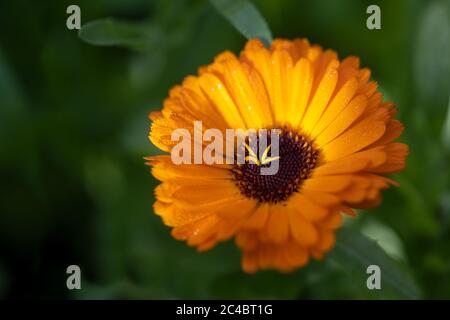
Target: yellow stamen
[264,159]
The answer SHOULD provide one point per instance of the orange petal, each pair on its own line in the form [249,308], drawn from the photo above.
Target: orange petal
[320,99]
[309,209]
[354,139]
[327,184]
[282,67]
[174,216]
[243,94]
[345,118]
[332,222]
[326,241]
[258,219]
[302,230]
[396,156]
[297,255]
[336,106]
[278,224]
[246,240]
[302,80]
[221,99]
[249,262]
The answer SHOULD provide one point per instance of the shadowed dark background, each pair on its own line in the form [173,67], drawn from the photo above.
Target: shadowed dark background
[73,134]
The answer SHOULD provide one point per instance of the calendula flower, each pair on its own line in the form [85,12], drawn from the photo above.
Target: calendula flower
[335,148]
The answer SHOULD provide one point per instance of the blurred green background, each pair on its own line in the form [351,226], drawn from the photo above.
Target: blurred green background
[73,132]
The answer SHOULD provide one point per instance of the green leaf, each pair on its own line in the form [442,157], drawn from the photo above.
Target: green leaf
[146,68]
[262,285]
[354,252]
[432,54]
[446,129]
[386,237]
[243,15]
[12,96]
[110,32]
[420,210]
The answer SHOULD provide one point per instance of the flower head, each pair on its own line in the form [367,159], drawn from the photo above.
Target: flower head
[335,142]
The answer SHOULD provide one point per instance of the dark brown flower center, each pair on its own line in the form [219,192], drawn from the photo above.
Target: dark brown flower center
[297,159]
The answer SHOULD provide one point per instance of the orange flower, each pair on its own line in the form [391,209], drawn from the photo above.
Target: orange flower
[336,145]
